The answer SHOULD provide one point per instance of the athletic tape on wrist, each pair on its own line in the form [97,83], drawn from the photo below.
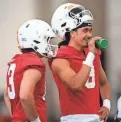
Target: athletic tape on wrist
[89,59]
[107,103]
[36,120]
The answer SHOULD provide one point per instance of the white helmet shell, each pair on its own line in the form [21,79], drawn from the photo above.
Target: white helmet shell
[68,17]
[36,34]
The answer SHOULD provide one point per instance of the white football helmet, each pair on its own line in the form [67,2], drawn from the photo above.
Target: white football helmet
[38,35]
[68,17]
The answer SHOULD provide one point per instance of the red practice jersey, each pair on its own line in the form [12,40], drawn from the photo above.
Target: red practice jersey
[86,101]
[17,66]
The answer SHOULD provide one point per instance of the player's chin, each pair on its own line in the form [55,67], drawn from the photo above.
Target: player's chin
[85,45]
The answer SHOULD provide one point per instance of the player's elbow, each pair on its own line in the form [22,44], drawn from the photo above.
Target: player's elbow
[76,84]
[24,97]
[5,95]
[104,83]
[75,87]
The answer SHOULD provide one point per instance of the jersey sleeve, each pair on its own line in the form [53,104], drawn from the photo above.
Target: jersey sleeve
[33,62]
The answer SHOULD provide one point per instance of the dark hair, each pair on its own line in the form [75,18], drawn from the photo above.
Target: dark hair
[67,34]
[27,50]
[67,38]
[66,41]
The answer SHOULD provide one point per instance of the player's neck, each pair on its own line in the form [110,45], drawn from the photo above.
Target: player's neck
[36,53]
[39,55]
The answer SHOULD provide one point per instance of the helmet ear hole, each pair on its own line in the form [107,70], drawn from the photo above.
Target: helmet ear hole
[37,42]
[67,29]
[35,48]
[63,25]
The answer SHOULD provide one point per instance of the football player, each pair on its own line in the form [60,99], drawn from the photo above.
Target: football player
[26,72]
[77,68]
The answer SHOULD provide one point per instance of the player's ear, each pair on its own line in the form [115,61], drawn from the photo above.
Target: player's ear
[72,34]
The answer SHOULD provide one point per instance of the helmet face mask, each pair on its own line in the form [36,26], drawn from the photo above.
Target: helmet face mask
[67,18]
[36,34]
[49,49]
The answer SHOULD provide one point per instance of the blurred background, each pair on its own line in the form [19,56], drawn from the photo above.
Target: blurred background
[107,24]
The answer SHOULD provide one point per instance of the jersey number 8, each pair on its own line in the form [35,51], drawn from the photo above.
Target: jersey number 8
[91,80]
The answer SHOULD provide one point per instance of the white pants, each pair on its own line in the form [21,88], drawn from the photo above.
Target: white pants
[81,118]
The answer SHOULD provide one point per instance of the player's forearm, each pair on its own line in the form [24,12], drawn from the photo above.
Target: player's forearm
[78,81]
[105,91]
[29,107]
[105,94]
[82,76]
[8,104]
[7,101]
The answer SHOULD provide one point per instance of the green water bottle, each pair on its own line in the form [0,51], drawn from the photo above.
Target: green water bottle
[101,43]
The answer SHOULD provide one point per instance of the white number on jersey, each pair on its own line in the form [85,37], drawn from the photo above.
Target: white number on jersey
[11,89]
[91,80]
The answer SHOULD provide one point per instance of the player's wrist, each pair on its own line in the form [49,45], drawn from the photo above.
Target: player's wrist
[36,120]
[89,59]
[107,103]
